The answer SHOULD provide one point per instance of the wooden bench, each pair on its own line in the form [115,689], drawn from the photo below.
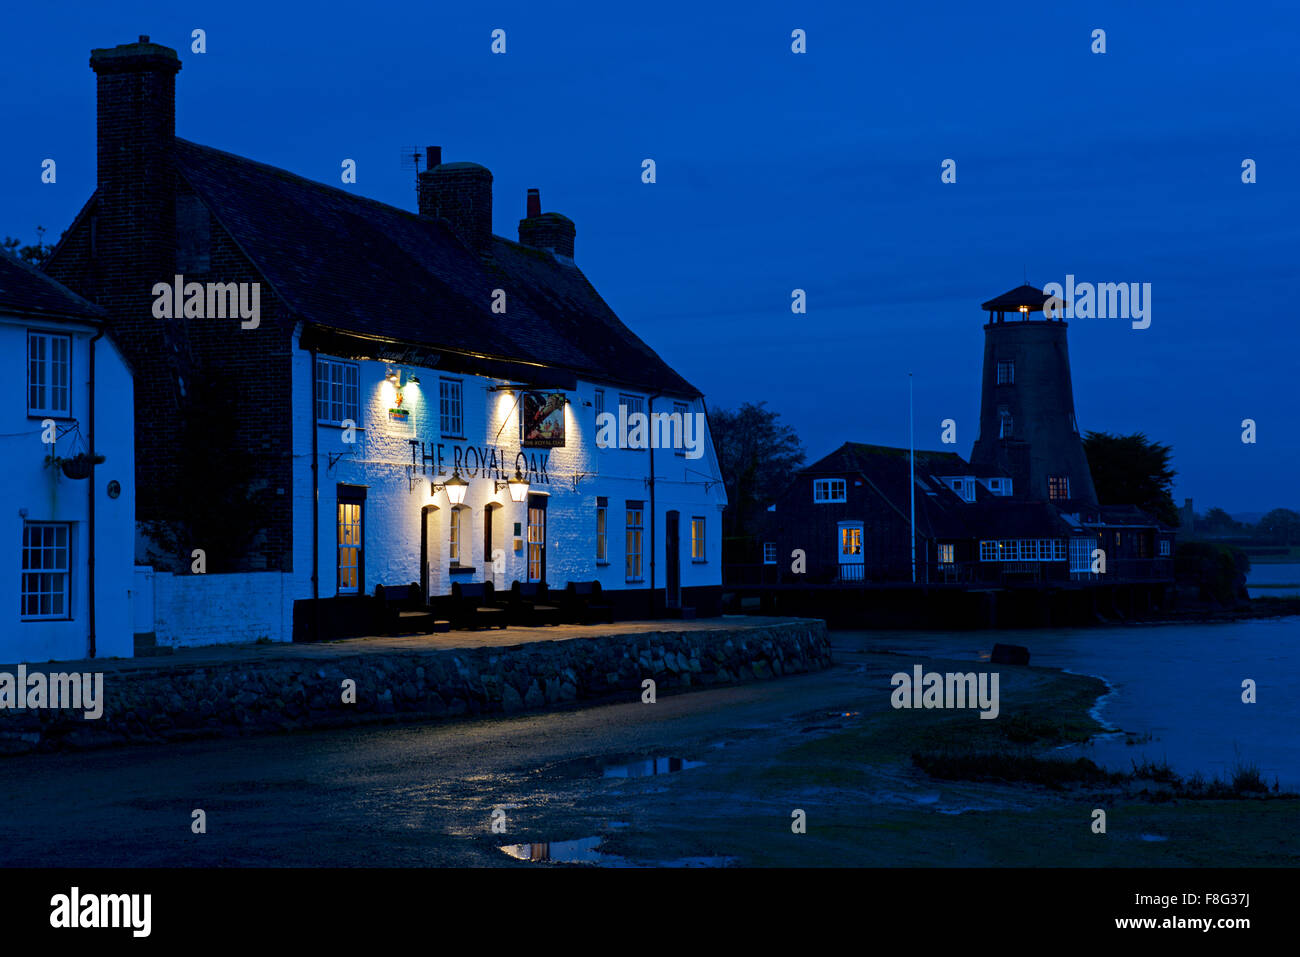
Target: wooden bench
[401,610]
[474,606]
[530,604]
[583,603]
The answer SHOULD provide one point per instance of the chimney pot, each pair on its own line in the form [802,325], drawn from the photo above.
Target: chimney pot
[534,203]
[144,38]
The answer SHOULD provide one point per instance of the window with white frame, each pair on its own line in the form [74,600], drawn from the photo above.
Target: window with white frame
[1058,487]
[679,424]
[602,530]
[451,412]
[49,374]
[1024,550]
[697,539]
[1005,425]
[338,391]
[830,490]
[769,553]
[1164,548]
[1081,554]
[599,403]
[947,554]
[634,404]
[635,532]
[1006,372]
[965,487]
[46,570]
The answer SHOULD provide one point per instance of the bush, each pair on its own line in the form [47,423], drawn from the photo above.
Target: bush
[1218,572]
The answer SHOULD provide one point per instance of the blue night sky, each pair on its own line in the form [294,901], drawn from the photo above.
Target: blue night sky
[779,171]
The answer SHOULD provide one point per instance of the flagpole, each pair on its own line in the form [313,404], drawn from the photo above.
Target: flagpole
[911,470]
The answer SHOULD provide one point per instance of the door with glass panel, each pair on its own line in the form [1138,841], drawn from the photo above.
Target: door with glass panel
[537,538]
[350,538]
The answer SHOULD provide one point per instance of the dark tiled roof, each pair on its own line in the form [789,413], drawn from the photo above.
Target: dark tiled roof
[353,264]
[1020,296]
[24,289]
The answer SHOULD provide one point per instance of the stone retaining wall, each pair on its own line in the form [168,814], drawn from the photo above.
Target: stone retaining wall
[176,702]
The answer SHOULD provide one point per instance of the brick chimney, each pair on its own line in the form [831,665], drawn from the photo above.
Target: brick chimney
[136,205]
[551,231]
[460,193]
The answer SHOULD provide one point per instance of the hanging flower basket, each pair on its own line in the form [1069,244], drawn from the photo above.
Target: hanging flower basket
[78,466]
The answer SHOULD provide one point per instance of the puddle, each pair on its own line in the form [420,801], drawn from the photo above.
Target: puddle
[581,851]
[586,850]
[651,767]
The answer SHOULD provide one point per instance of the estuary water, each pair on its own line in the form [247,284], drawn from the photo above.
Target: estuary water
[1179,683]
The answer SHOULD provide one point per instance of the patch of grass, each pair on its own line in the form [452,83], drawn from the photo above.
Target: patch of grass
[1159,773]
[1012,767]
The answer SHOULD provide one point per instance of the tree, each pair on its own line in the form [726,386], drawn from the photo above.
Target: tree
[1219,522]
[1132,470]
[1281,526]
[757,455]
[34,254]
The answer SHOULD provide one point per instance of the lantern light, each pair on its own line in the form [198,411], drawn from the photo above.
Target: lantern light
[455,487]
[517,484]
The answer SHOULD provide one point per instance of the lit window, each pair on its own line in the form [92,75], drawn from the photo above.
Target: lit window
[947,554]
[338,395]
[769,553]
[1006,372]
[635,531]
[453,535]
[451,408]
[829,490]
[49,374]
[697,539]
[46,570]
[850,540]
[1058,487]
[602,524]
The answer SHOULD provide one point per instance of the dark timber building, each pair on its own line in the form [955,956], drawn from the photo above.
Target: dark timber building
[1023,510]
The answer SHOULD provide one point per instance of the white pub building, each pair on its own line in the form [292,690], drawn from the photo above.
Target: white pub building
[335,394]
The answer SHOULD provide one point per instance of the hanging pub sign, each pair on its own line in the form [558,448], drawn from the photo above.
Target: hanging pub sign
[543,420]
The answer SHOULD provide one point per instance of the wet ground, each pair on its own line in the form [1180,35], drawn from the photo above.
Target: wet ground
[708,778]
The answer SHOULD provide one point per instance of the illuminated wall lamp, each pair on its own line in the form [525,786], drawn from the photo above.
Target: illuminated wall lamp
[455,487]
[394,377]
[517,484]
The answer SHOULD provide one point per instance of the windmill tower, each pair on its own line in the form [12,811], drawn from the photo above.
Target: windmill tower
[1027,423]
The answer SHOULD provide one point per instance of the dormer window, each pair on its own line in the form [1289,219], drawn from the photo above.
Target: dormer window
[829,490]
[964,487]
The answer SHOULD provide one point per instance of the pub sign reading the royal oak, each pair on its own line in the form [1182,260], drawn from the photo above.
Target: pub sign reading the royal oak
[543,420]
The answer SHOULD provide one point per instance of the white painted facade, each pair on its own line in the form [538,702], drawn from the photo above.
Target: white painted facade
[45,611]
[573,478]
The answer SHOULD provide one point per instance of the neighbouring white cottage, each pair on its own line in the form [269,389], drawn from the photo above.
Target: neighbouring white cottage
[66,439]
